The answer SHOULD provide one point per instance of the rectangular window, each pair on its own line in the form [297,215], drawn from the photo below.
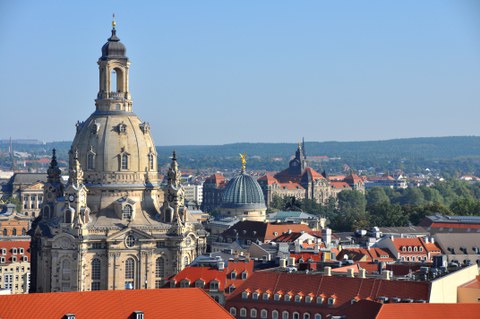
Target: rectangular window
[8,281]
[95,285]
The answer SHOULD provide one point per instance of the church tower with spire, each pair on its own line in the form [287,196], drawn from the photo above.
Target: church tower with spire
[112,226]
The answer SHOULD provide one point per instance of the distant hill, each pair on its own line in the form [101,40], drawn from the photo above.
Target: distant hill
[450,155]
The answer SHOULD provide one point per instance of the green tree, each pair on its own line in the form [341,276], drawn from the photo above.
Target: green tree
[387,215]
[376,196]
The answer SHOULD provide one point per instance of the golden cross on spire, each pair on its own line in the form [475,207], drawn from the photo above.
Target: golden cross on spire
[113,21]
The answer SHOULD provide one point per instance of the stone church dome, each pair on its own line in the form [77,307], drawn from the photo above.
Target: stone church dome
[113,146]
[243,192]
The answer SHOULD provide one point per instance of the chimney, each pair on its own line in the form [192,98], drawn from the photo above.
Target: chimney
[387,275]
[362,273]
[283,263]
[221,265]
[291,261]
[391,238]
[327,271]
[350,273]
[432,240]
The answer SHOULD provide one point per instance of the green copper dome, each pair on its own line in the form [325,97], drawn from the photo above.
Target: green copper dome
[243,192]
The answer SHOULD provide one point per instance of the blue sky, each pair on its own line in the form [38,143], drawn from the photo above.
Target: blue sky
[214,72]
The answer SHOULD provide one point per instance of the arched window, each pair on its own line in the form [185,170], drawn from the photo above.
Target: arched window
[185,261]
[96,269]
[130,273]
[151,162]
[124,161]
[66,270]
[296,315]
[5,232]
[90,161]
[14,232]
[127,212]
[274,314]
[233,311]
[253,313]
[285,315]
[318,316]
[24,231]
[160,267]
[306,315]
[243,312]
[263,313]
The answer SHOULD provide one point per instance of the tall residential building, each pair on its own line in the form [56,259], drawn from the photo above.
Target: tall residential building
[112,226]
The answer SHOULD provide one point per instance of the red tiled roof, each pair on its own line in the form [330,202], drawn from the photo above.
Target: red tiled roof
[339,185]
[9,245]
[154,303]
[313,173]
[344,288]
[291,185]
[268,178]
[215,178]
[208,274]
[374,310]
[284,228]
[454,225]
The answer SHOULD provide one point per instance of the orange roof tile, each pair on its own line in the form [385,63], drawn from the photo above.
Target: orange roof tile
[155,303]
[369,309]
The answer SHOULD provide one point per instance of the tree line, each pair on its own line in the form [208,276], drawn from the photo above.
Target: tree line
[385,207]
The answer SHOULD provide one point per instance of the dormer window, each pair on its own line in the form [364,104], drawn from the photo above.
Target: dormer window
[331,300]
[404,248]
[14,251]
[231,289]
[308,299]
[138,315]
[287,297]
[20,251]
[4,251]
[298,298]
[245,295]
[25,258]
[233,275]
[244,275]
[320,300]
[184,283]
[421,248]
[14,258]
[409,248]
[266,295]
[95,127]
[145,127]
[415,248]
[199,283]
[214,285]
[277,297]
[255,296]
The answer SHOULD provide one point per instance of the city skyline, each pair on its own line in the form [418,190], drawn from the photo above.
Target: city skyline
[256,72]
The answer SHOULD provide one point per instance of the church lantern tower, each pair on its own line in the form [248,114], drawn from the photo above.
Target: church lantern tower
[104,229]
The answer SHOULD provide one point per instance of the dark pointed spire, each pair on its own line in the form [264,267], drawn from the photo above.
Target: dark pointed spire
[53,172]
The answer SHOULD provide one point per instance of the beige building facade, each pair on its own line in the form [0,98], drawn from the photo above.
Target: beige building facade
[112,226]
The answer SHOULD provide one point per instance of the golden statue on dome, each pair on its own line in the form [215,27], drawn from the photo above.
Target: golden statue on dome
[244,161]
